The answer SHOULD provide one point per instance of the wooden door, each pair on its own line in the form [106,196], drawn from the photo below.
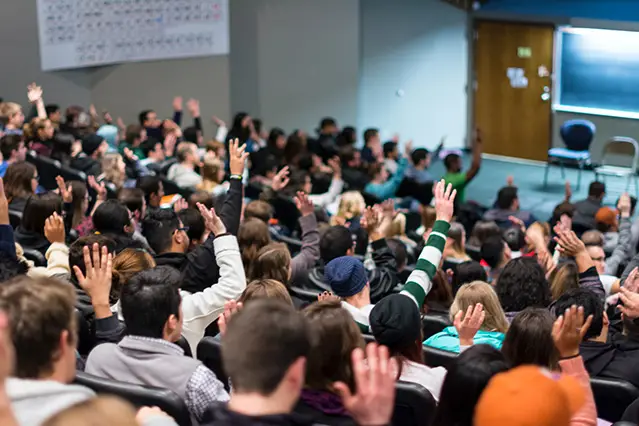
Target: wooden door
[512,102]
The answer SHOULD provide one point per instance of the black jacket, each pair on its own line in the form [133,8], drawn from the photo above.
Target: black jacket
[31,240]
[220,415]
[585,211]
[616,359]
[355,179]
[86,164]
[383,278]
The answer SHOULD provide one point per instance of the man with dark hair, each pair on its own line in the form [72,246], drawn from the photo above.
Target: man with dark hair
[148,355]
[135,135]
[88,161]
[354,175]
[134,200]
[606,353]
[154,154]
[153,190]
[325,145]
[372,146]
[391,156]
[54,113]
[585,210]
[192,219]
[13,151]
[508,205]
[454,174]
[151,123]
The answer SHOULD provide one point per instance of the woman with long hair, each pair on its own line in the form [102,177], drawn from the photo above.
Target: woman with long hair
[37,209]
[455,249]
[113,169]
[39,134]
[351,207]
[20,182]
[529,340]
[251,237]
[212,172]
[126,264]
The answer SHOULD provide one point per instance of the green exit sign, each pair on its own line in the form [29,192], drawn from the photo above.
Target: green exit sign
[524,52]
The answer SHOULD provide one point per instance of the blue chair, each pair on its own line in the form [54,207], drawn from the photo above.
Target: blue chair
[577,136]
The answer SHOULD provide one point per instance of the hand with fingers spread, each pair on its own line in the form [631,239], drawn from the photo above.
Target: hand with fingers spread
[177,103]
[517,222]
[567,241]
[180,204]
[54,229]
[327,295]
[280,180]
[7,352]
[444,201]
[468,324]
[304,204]
[370,220]
[4,205]
[65,190]
[336,166]
[170,140]
[569,330]
[99,188]
[237,157]
[630,300]
[374,400]
[93,112]
[624,205]
[97,281]
[120,124]
[631,282]
[218,121]
[194,107]
[212,221]
[130,155]
[230,308]
[34,93]
[408,149]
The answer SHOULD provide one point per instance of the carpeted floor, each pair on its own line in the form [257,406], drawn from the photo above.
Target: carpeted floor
[529,179]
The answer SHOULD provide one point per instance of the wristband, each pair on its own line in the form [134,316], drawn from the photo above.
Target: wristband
[569,357]
[237,177]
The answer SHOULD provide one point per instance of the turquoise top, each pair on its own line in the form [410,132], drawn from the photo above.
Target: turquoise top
[448,339]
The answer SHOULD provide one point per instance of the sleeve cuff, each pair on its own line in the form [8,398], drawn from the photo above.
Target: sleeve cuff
[379,244]
[107,324]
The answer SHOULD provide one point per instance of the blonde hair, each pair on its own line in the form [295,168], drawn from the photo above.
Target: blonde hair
[273,261]
[481,292]
[429,215]
[8,110]
[351,205]
[542,227]
[210,171]
[110,169]
[593,238]
[563,278]
[398,226]
[265,289]
[99,411]
[126,264]
[31,129]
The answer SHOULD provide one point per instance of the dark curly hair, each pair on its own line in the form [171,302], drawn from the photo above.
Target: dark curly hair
[522,284]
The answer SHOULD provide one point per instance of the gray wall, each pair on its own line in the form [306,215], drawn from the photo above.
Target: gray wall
[420,48]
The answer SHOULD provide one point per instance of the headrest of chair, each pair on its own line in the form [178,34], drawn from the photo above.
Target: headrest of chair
[578,134]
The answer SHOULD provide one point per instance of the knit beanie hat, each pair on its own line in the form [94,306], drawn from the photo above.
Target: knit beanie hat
[529,396]
[346,276]
[395,321]
[91,143]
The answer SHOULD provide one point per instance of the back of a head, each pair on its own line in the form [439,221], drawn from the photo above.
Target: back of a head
[39,312]
[335,242]
[529,339]
[522,284]
[148,184]
[203,197]
[467,272]
[492,251]
[76,256]
[158,228]
[11,267]
[184,149]
[125,265]
[399,250]
[429,215]
[265,289]
[370,134]
[482,230]
[192,218]
[389,148]
[273,261]
[481,292]
[264,330]
[418,155]
[396,323]
[593,237]
[515,238]
[99,411]
[18,179]
[346,276]
[563,278]
[465,381]
[149,299]
[259,209]
[37,209]
[111,217]
[596,189]
[591,303]
[251,237]
[506,196]
[9,144]
[336,336]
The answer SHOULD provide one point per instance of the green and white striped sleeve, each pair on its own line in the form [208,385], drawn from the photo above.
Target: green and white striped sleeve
[420,281]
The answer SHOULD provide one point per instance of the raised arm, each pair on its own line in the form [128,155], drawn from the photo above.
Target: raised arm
[620,253]
[309,254]
[34,93]
[232,208]
[177,110]
[194,109]
[477,150]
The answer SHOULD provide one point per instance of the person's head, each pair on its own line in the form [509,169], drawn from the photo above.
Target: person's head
[482,230]
[495,252]
[351,205]
[328,126]
[335,242]
[597,190]
[515,238]
[347,277]
[453,163]
[563,212]
[350,157]
[135,134]
[80,201]
[272,261]
[149,118]
[276,139]
[153,150]
[192,219]
[212,170]
[62,147]
[592,305]
[203,197]
[396,323]
[378,173]
[390,150]
[99,411]
[39,129]
[420,158]
[592,237]
[467,272]
[428,216]
[258,209]
[335,337]
[43,327]
[507,198]
[76,256]
[11,267]
[12,148]
[54,113]
[480,292]
[606,220]
[251,237]
[399,250]
[133,199]
[110,133]
[465,381]
[164,232]
[371,137]
[94,146]
[112,218]
[37,210]
[20,180]
[398,226]
[186,153]
[522,284]
[598,257]
[265,289]
[294,149]
[125,265]
[529,340]
[563,278]
[300,180]
[153,189]
[114,168]
[441,294]
[456,241]
[11,115]
[268,330]
[151,304]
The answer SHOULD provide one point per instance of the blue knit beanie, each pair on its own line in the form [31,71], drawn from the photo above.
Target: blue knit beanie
[346,276]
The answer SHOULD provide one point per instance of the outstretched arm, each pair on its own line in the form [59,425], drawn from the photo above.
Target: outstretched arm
[476,164]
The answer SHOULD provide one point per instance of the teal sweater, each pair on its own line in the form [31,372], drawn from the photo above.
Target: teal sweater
[448,339]
[386,190]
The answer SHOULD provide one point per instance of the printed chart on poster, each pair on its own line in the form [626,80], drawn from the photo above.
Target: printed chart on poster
[85,33]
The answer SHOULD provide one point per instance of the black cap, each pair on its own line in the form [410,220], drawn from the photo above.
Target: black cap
[395,321]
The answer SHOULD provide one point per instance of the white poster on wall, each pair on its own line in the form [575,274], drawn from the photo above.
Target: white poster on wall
[84,33]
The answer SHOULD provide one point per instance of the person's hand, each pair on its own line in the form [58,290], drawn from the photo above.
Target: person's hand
[97,282]
[374,400]
[280,180]
[218,121]
[76,148]
[327,295]
[477,136]
[304,204]
[180,204]
[569,331]
[632,281]
[370,220]
[177,103]
[106,116]
[624,205]
[545,260]
[65,190]
[130,155]
[444,201]
[4,205]
[7,351]
[194,107]
[230,308]
[120,123]
[567,241]
[92,111]
[630,300]
[510,181]
[237,157]
[468,324]
[212,221]
[517,222]
[170,140]
[34,93]
[408,149]
[54,229]
[336,166]
[145,413]
[567,191]
[99,188]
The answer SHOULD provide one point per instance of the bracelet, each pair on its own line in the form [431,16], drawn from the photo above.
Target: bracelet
[569,357]
[237,177]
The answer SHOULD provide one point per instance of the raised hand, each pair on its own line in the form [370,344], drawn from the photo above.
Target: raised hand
[177,103]
[374,400]
[65,190]
[371,219]
[218,121]
[624,205]
[280,180]
[120,124]
[212,221]
[567,241]
[510,181]
[630,299]
[130,155]
[632,281]
[230,308]
[468,324]
[408,149]
[180,204]
[99,188]
[567,191]
[170,140]
[444,201]
[194,107]
[54,229]
[336,166]
[97,282]
[569,330]
[517,222]
[237,157]
[34,93]
[304,204]
[92,111]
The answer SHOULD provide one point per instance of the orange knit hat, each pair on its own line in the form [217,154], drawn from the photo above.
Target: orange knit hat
[607,216]
[529,396]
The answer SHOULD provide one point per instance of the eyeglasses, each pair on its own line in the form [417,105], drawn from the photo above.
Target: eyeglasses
[36,178]
[183,228]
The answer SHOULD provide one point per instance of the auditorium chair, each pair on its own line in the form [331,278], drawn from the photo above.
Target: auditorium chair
[612,397]
[433,324]
[35,256]
[577,136]
[414,405]
[15,218]
[286,212]
[305,296]
[209,351]
[437,357]
[184,344]
[70,174]
[294,245]
[140,396]
[47,168]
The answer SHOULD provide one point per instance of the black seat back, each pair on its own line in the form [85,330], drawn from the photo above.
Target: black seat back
[438,358]
[433,324]
[305,295]
[70,174]
[414,405]
[139,396]
[15,218]
[209,351]
[286,212]
[612,397]
[35,256]
[48,169]
[184,344]
[294,245]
